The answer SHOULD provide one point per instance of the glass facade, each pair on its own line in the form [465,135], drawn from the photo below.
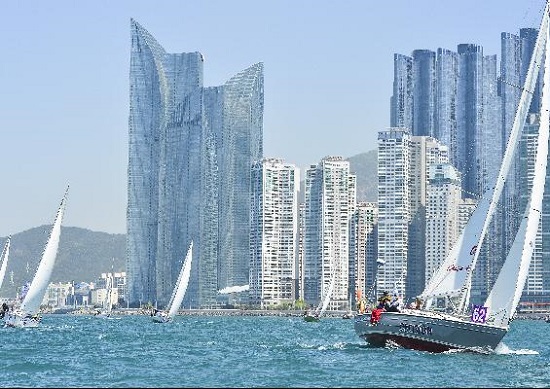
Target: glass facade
[424,92]
[177,130]
[240,145]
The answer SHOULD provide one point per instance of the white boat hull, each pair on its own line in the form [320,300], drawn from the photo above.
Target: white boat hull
[17,320]
[427,331]
[161,318]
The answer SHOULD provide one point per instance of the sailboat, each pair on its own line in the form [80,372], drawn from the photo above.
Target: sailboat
[179,291]
[108,301]
[3,266]
[349,313]
[485,326]
[27,315]
[323,305]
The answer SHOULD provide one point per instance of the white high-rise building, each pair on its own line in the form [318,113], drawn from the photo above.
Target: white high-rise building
[274,233]
[394,146]
[425,151]
[442,215]
[330,200]
[363,243]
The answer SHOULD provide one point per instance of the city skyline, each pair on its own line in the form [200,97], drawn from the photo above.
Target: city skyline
[64,115]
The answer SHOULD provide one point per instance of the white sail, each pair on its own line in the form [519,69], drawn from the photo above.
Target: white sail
[328,294]
[37,289]
[450,277]
[108,303]
[181,284]
[4,260]
[504,297]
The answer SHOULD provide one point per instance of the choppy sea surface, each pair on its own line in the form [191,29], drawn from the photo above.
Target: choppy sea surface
[248,351]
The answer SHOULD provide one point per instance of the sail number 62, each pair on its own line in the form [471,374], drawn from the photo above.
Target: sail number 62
[479,314]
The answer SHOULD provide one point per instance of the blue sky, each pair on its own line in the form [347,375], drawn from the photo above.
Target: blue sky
[328,68]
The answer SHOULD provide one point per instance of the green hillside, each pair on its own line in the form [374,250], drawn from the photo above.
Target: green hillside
[365,167]
[83,255]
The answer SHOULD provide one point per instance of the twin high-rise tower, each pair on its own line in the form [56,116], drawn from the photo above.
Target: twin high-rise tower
[190,154]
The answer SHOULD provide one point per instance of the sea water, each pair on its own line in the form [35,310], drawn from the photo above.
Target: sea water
[252,351]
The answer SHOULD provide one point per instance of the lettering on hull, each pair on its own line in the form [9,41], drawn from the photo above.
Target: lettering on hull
[419,329]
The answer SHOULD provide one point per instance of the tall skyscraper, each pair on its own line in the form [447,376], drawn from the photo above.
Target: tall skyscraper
[273,233]
[241,144]
[425,151]
[401,102]
[446,101]
[363,248]
[179,135]
[394,213]
[330,200]
[443,226]
[424,92]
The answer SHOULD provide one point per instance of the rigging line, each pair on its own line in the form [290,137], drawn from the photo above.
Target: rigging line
[515,85]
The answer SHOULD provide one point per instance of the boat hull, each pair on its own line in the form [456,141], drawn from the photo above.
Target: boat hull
[161,318]
[427,331]
[311,317]
[16,320]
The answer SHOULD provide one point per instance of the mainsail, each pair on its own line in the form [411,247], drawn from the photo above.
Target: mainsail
[328,294]
[37,289]
[181,285]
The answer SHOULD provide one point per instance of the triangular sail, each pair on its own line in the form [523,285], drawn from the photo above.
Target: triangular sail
[328,294]
[181,284]
[4,260]
[450,277]
[108,303]
[504,297]
[37,289]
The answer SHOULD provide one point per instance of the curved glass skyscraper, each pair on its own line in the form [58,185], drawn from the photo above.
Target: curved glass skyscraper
[182,138]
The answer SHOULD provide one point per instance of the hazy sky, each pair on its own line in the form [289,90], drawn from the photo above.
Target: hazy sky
[328,72]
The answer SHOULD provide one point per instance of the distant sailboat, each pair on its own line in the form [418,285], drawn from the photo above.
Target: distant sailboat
[27,315]
[179,291]
[108,301]
[323,305]
[3,266]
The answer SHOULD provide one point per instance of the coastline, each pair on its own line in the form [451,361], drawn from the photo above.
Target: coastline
[249,312]
[204,312]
